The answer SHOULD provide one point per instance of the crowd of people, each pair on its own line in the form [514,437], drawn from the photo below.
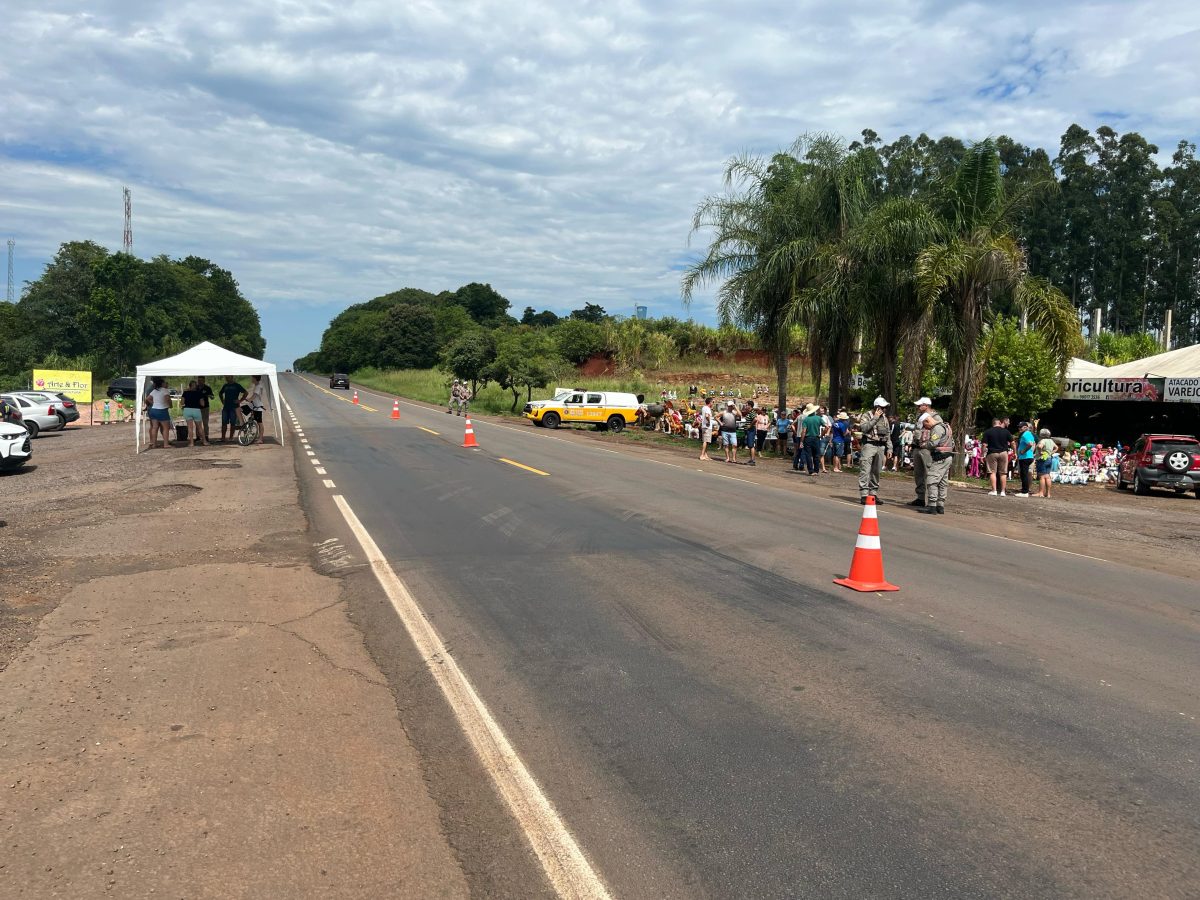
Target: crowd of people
[818,441]
[237,403]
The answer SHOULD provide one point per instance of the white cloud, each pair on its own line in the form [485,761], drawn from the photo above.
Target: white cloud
[332,151]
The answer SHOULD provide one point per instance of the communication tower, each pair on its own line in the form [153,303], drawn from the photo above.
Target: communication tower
[127,239]
[11,295]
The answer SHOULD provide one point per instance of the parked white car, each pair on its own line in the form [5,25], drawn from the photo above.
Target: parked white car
[15,449]
[38,416]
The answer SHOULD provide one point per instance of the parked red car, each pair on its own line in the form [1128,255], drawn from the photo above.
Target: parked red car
[1162,460]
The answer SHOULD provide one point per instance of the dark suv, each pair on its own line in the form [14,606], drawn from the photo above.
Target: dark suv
[1162,460]
[126,387]
[337,380]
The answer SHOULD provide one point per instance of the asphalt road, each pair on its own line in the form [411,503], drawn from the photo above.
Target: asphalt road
[711,716]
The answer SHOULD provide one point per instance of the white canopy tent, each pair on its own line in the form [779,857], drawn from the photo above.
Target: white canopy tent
[208,359]
[1181,363]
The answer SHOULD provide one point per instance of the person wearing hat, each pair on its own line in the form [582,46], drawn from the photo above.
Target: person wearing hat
[455,397]
[809,431]
[876,447]
[841,438]
[920,457]
[937,444]
[1025,453]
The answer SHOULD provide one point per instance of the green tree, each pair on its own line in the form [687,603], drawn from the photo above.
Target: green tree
[525,359]
[470,357]
[407,338]
[1022,376]
[590,312]
[53,304]
[578,340]
[115,313]
[975,259]
[486,306]
[1111,349]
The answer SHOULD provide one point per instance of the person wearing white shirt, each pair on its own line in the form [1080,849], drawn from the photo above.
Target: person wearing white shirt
[158,411]
[256,397]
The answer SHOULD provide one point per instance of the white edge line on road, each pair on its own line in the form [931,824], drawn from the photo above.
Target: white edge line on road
[329,483]
[562,859]
[1055,549]
[320,471]
[315,462]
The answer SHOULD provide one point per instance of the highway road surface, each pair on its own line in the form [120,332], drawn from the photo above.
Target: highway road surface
[682,704]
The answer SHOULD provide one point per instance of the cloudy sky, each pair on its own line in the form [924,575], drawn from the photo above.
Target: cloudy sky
[327,152]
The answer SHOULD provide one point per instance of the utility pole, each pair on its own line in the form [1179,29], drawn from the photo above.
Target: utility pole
[12,294]
[127,238]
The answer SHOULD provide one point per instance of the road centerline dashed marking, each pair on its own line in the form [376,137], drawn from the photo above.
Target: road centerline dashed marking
[513,462]
[329,483]
[320,470]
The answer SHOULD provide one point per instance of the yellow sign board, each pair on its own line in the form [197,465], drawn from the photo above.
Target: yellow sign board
[76,385]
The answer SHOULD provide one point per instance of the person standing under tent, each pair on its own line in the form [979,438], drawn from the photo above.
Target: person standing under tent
[206,395]
[231,395]
[257,398]
[158,414]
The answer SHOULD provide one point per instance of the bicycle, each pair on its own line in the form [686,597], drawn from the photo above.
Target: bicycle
[247,432]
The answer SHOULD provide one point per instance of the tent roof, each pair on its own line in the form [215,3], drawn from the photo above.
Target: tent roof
[1082,368]
[207,359]
[1181,363]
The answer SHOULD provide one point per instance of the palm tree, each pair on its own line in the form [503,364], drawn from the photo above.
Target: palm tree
[828,201]
[751,221]
[974,261]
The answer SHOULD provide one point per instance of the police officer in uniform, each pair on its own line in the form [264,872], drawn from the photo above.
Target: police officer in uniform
[920,457]
[938,442]
[876,447]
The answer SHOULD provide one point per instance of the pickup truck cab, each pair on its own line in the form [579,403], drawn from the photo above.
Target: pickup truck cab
[607,410]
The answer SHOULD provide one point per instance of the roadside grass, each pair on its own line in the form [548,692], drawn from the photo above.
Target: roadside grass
[433,385]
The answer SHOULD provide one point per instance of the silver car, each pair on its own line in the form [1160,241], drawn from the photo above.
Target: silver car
[64,407]
[37,415]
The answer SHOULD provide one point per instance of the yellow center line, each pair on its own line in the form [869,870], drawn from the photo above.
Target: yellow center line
[522,466]
[368,408]
[430,430]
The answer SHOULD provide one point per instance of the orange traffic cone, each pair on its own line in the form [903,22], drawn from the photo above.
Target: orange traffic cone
[469,437]
[396,410]
[866,568]
[356,398]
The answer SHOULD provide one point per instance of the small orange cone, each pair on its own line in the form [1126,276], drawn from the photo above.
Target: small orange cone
[356,398]
[396,410]
[469,437]
[866,568]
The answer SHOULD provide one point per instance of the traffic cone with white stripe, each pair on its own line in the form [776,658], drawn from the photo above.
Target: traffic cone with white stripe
[396,410]
[356,398]
[866,568]
[469,436]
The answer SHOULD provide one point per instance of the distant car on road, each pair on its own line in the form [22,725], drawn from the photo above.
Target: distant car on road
[37,414]
[1162,460]
[338,380]
[15,446]
[64,406]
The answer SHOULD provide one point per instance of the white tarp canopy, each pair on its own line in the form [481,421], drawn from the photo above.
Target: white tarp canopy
[1082,368]
[1181,363]
[208,359]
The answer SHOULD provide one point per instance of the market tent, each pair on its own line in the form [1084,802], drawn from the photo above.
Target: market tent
[1082,368]
[1181,363]
[208,359]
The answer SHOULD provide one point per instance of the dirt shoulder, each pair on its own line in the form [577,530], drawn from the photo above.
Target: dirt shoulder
[185,706]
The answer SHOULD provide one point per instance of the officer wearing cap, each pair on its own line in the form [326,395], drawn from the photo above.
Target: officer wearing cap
[876,447]
[920,455]
[938,441]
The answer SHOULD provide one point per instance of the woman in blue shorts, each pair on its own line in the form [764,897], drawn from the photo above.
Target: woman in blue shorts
[158,410]
[193,397]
